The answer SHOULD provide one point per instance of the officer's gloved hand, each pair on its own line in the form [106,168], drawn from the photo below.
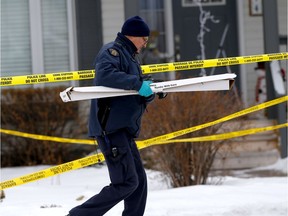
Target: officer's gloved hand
[145,89]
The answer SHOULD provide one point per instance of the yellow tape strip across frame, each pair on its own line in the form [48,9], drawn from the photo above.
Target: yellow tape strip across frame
[97,158]
[47,78]
[146,69]
[190,65]
[216,137]
[47,138]
[205,125]
[224,136]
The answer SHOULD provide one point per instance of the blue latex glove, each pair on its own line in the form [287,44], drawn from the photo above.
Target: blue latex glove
[145,89]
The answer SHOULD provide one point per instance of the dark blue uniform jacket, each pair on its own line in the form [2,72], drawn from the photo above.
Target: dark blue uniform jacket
[117,67]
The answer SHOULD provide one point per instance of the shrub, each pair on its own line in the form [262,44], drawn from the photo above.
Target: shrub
[38,111]
[186,163]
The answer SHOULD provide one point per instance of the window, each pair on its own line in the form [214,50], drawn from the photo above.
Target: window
[153,13]
[55,35]
[35,37]
[160,48]
[15,38]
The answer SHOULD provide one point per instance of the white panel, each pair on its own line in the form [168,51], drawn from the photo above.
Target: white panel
[207,83]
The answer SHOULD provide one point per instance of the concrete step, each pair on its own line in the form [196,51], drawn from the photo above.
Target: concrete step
[250,151]
[249,146]
[246,160]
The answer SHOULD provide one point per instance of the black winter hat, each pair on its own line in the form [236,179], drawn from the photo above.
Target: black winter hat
[135,26]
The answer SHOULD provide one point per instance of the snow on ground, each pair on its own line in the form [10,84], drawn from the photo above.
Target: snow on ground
[235,196]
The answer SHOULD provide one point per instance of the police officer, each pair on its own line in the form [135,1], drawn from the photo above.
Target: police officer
[115,122]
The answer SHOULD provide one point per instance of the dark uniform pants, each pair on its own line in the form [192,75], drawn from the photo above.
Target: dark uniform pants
[127,175]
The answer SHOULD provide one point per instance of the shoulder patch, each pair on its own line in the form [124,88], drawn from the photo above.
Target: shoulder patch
[113,52]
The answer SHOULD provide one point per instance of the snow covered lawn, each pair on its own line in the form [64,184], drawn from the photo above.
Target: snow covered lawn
[235,196]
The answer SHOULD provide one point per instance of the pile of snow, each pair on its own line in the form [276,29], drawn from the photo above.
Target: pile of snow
[280,165]
[233,197]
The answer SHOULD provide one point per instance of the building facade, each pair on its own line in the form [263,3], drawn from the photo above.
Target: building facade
[40,36]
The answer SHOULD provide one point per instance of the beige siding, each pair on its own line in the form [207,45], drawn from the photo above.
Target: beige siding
[113,18]
[254,41]
[282,18]
[253,31]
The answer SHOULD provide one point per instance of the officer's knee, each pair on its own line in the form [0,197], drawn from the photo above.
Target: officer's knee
[132,185]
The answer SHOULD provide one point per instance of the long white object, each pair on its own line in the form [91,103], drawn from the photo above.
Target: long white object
[277,77]
[206,83]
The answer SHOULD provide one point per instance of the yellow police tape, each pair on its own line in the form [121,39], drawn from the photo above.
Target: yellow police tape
[47,78]
[226,118]
[140,144]
[189,65]
[97,158]
[224,136]
[159,139]
[47,138]
[153,68]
